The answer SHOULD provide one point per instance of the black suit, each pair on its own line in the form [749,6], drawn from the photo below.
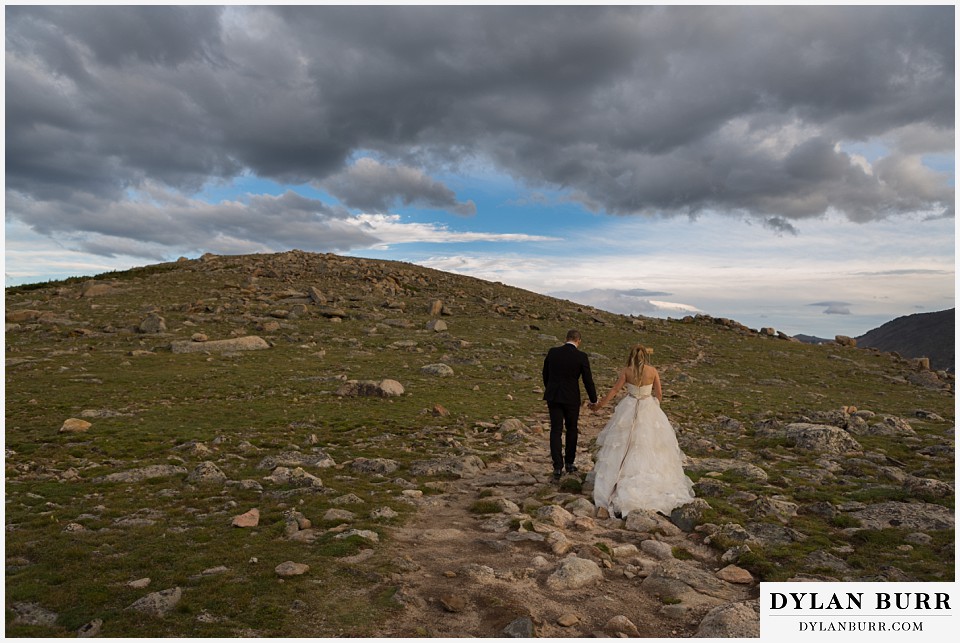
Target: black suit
[562,369]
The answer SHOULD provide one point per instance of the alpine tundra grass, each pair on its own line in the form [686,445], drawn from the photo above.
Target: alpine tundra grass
[75,541]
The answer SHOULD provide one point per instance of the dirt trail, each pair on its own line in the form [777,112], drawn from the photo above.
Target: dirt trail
[473,575]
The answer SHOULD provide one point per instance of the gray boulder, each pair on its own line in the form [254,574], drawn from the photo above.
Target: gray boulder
[440,370]
[374,465]
[733,620]
[207,472]
[143,473]
[574,573]
[464,467]
[249,343]
[370,388]
[819,438]
[158,603]
[316,458]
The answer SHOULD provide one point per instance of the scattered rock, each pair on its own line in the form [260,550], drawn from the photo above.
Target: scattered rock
[641,521]
[734,574]
[158,603]
[339,514]
[33,614]
[370,388]
[734,620]
[778,508]
[153,324]
[464,467]
[440,370]
[560,545]
[813,437]
[453,602]
[555,515]
[522,628]
[366,534]
[657,549]
[688,516]
[316,459]
[207,472]
[91,629]
[916,516]
[213,571]
[574,573]
[374,465]
[249,343]
[75,425]
[927,487]
[289,568]
[95,289]
[248,519]
[621,625]
[383,513]
[348,499]
[738,467]
[144,473]
[568,620]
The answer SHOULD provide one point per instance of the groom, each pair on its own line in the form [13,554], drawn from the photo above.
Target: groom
[562,369]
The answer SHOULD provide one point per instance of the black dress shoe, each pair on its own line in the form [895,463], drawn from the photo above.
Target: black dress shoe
[557,473]
[572,469]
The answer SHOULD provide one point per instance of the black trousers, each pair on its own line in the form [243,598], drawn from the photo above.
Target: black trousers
[563,415]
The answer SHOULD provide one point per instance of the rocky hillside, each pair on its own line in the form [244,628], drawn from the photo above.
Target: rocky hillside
[928,335]
[313,445]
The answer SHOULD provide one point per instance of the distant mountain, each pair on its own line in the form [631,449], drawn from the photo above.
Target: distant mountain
[921,335]
[811,339]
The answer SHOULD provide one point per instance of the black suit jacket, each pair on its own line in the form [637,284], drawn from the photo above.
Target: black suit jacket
[562,369]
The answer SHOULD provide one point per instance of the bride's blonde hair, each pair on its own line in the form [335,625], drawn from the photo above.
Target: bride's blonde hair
[638,357]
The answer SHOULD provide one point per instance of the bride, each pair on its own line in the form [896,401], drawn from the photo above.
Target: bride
[639,465]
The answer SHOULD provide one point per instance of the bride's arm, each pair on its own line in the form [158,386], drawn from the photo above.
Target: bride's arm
[657,390]
[613,391]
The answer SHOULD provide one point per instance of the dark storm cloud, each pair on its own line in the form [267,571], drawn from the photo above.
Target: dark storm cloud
[372,187]
[634,110]
[165,220]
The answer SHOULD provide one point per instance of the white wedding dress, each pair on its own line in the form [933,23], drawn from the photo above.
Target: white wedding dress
[639,465]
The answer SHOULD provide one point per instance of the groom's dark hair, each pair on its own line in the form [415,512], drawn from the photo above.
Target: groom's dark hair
[573,335]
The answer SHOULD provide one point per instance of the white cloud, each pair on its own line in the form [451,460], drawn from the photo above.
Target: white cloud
[865,275]
[391,230]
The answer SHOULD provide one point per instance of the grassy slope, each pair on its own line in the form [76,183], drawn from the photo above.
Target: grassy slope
[261,403]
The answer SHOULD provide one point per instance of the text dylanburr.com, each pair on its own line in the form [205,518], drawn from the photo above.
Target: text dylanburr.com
[853,610]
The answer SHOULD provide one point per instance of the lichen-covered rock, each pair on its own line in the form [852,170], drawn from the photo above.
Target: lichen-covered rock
[733,620]
[440,370]
[158,603]
[207,472]
[374,465]
[464,467]
[574,573]
[143,473]
[819,438]
[317,459]
[370,388]
[249,343]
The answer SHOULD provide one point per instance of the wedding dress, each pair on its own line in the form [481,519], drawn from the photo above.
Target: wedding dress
[639,465]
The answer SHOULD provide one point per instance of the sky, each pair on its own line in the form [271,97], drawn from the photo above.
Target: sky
[789,167]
